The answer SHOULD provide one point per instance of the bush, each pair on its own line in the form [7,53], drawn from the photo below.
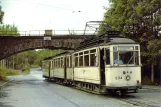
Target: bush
[4,72]
[35,66]
[25,70]
[146,81]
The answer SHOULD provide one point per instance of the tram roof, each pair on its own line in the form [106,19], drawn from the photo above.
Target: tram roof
[50,57]
[120,40]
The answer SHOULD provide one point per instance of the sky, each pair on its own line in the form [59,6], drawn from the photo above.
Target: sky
[52,14]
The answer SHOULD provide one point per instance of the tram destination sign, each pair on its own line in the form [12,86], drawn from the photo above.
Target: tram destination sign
[125,48]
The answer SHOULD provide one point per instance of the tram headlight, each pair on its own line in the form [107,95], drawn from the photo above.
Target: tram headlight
[128,77]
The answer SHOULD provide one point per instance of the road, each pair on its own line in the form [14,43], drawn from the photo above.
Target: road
[33,91]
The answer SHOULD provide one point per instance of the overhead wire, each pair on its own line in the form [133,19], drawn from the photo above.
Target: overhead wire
[46,5]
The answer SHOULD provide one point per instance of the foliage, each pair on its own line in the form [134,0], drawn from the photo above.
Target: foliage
[4,72]
[154,50]
[137,19]
[146,81]
[34,66]
[25,70]
[24,60]
[41,54]
[9,30]
[1,15]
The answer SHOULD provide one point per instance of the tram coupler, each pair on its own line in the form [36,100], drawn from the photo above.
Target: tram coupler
[118,92]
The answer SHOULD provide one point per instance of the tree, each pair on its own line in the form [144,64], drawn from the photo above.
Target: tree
[153,54]
[1,15]
[139,20]
[9,30]
[41,54]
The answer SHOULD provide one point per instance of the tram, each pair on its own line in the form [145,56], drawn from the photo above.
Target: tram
[101,64]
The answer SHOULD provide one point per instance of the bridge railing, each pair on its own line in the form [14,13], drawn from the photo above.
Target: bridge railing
[42,33]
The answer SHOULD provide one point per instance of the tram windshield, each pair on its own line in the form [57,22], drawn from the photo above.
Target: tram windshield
[126,57]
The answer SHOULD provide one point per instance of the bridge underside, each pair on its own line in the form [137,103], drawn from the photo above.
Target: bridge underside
[10,45]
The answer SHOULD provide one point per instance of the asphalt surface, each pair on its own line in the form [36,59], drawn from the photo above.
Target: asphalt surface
[33,91]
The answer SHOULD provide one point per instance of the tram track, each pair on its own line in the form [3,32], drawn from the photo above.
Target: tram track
[124,98]
[139,103]
[136,102]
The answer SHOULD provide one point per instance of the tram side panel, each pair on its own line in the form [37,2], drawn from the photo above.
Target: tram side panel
[86,66]
[69,73]
[58,67]
[69,68]
[51,69]
[87,74]
[123,77]
[58,72]
[45,67]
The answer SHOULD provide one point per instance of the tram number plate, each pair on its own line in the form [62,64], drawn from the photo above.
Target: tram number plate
[118,77]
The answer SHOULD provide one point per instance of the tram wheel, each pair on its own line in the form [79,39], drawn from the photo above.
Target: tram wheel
[136,91]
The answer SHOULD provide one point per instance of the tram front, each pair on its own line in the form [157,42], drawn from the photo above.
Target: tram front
[124,70]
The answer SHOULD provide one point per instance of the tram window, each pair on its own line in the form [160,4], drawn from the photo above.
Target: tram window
[136,47]
[92,59]
[75,54]
[115,57]
[93,51]
[86,52]
[67,61]
[136,58]
[81,53]
[107,56]
[80,60]
[86,60]
[62,62]
[59,62]
[127,57]
[52,64]
[76,61]
[55,63]
[70,61]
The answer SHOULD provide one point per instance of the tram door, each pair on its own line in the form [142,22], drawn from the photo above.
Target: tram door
[65,66]
[49,68]
[102,66]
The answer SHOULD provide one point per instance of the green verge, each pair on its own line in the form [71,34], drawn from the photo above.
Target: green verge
[34,66]
[4,72]
[25,70]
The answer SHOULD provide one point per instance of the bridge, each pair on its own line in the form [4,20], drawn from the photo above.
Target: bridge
[10,45]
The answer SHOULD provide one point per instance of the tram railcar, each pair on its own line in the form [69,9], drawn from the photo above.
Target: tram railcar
[107,63]
[46,64]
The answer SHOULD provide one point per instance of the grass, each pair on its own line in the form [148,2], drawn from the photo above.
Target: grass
[25,70]
[4,72]
[34,66]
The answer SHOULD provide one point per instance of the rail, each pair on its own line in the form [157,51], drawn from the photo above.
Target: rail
[42,33]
